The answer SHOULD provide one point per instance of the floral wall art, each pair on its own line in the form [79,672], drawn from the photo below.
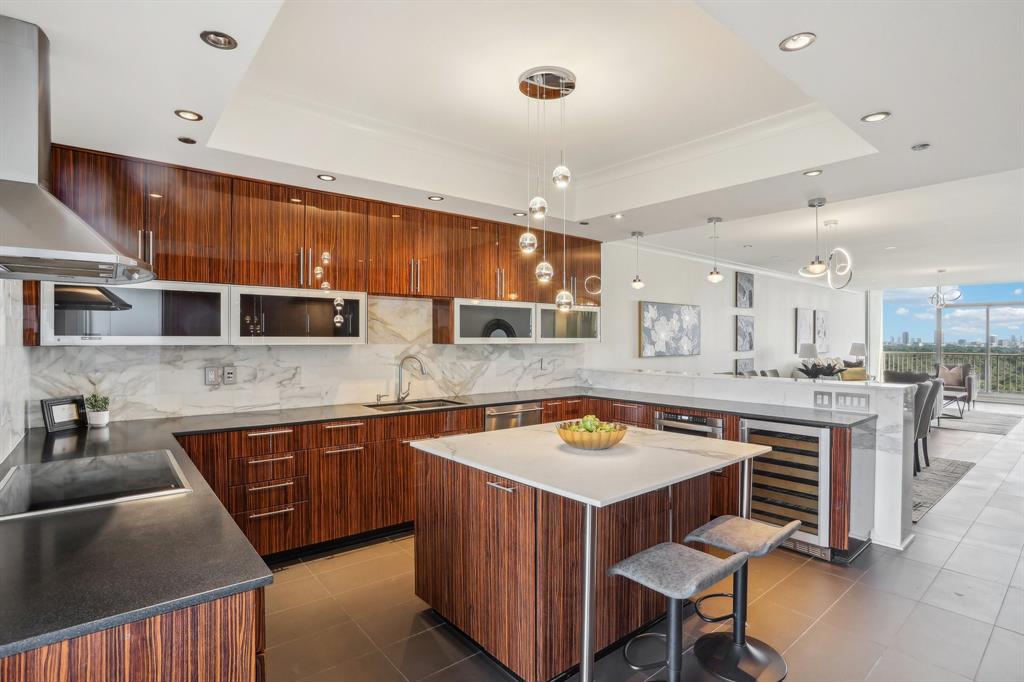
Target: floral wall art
[669,329]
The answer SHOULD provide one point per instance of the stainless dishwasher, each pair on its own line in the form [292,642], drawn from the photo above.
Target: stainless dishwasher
[511,416]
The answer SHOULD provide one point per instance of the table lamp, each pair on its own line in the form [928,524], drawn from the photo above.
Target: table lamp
[808,351]
[858,350]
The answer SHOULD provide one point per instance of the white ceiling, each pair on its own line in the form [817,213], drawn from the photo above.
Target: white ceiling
[401,99]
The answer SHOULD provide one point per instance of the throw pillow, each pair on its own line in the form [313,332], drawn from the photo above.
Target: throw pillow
[951,376]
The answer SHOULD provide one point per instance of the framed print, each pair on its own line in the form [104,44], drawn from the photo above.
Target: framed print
[821,330]
[669,329]
[744,332]
[804,327]
[744,289]
[60,414]
[744,365]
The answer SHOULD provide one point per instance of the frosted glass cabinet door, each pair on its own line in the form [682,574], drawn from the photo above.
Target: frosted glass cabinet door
[501,322]
[579,325]
[268,316]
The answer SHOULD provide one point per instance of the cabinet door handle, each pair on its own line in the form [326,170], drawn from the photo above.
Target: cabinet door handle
[412,276]
[270,487]
[254,434]
[151,247]
[552,402]
[503,488]
[572,402]
[289,510]
[350,425]
[497,282]
[419,273]
[339,451]
[140,244]
[631,407]
[269,461]
[309,264]
[302,267]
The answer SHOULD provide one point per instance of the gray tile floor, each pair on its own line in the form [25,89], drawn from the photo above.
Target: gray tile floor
[949,608]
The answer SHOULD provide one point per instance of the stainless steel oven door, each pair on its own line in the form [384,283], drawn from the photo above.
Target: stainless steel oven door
[706,427]
[512,416]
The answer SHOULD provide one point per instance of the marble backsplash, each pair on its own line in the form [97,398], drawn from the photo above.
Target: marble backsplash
[160,381]
[14,372]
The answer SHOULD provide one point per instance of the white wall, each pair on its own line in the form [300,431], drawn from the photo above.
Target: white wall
[673,278]
[13,368]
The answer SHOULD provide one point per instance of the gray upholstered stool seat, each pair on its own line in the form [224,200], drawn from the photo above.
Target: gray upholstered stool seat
[676,571]
[737,657]
[736,534]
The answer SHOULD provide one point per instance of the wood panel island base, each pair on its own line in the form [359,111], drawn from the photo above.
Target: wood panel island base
[515,532]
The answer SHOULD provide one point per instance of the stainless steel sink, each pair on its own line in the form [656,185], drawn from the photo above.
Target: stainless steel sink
[410,405]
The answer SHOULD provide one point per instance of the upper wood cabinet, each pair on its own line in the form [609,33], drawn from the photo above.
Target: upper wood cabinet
[105,191]
[188,224]
[335,241]
[473,258]
[517,280]
[394,241]
[267,246]
[584,271]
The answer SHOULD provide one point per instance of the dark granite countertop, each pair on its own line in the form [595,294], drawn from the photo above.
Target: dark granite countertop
[68,574]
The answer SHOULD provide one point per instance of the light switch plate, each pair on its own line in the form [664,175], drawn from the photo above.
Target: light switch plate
[211,376]
[230,374]
[823,400]
[853,401]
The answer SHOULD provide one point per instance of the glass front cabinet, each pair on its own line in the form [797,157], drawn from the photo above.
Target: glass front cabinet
[262,316]
[582,324]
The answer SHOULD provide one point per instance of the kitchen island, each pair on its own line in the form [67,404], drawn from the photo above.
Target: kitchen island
[515,531]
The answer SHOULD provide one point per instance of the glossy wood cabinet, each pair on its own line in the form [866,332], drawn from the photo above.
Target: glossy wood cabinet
[473,254]
[335,242]
[267,235]
[394,233]
[516,281]
[108,192]
[584,270]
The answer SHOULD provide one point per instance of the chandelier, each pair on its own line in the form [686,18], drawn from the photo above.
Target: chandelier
[940,299]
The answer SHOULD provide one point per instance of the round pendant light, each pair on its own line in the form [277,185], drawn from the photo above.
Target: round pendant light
[563,300]
[544,272]
[527,242]
[538,207]
[715,276]
[638,282]
[817,267]
[561,176]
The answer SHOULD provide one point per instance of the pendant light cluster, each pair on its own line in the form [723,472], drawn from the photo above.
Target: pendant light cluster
[715,276]
[838,268]
[541,84]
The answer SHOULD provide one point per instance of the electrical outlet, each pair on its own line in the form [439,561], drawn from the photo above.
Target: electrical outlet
[230,374]
[853,401]
[211,376]
[823,400]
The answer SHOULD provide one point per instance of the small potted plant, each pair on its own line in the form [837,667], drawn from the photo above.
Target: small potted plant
[97,409]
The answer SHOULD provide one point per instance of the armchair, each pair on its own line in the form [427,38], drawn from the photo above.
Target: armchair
[959,386]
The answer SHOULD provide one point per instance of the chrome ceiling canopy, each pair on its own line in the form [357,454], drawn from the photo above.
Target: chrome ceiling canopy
[41,238]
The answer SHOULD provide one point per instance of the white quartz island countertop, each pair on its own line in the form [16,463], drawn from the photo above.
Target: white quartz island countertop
[644,461]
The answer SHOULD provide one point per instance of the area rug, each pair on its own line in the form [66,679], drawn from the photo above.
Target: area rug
[981,422]
[932,483]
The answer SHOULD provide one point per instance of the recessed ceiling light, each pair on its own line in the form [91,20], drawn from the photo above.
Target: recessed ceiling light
[186,140]
[156,196]
[797,41]
[188,115]
[875,117]
[617,216]
[584,222]
[434,197]
[748,246]
[519,214]
[295,200]
[890,248]
[325,177]
[813,173]
[219,40]
[921,146]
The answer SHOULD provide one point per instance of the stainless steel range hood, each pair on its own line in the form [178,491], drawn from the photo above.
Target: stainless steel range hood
[41,238]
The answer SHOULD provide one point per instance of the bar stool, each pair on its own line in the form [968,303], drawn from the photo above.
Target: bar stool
[737,657]
[678,572]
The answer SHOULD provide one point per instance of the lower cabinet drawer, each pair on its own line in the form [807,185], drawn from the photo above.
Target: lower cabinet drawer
[266,467]
[276,529]
[265,494]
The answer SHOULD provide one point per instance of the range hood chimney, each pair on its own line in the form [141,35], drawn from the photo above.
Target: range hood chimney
[41,238]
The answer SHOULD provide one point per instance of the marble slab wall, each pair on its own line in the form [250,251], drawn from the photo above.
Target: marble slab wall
[14,371]
[160,381]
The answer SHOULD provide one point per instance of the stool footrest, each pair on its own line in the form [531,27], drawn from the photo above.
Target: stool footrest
[660,663]
[712,619]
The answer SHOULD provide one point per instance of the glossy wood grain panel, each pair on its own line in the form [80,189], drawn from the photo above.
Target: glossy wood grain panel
[30,313]
[464,420]
[269,467]
[210,453]
[725,495]
[691,506]
[266,234]
[435,546]
[437,244]
[473,258]
[518,281]
[841,468]
[264,494]
[211,642]
[337,226]
[276,529]
[105,191]
[392,483]
[443,321]
[342,491]
[264,440]
[393,239]
[585,264]
[189,215]
[341,432]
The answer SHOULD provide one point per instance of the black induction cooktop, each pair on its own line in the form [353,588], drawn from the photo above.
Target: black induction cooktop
[82,482]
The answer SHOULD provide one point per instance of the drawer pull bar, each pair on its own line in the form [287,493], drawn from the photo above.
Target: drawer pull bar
[335,452]
[254,434]
[572,402]
[553,402]
[504,488]
[272,513]
[631,407]
[351,425]
[272,459]
[271,487]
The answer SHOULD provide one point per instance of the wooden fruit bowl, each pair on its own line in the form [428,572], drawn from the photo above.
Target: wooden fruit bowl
[591,440]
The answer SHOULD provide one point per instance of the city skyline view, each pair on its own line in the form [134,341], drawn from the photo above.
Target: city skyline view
[909,319]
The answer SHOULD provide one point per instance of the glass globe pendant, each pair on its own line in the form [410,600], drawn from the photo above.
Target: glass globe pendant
[561,176]
[338,320]
[544,272]
[816,268]
[637,283]
[563,300]
[527,242]
[538,207]
[715,276]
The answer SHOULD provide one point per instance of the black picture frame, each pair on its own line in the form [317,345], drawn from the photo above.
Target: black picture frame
[57,423]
